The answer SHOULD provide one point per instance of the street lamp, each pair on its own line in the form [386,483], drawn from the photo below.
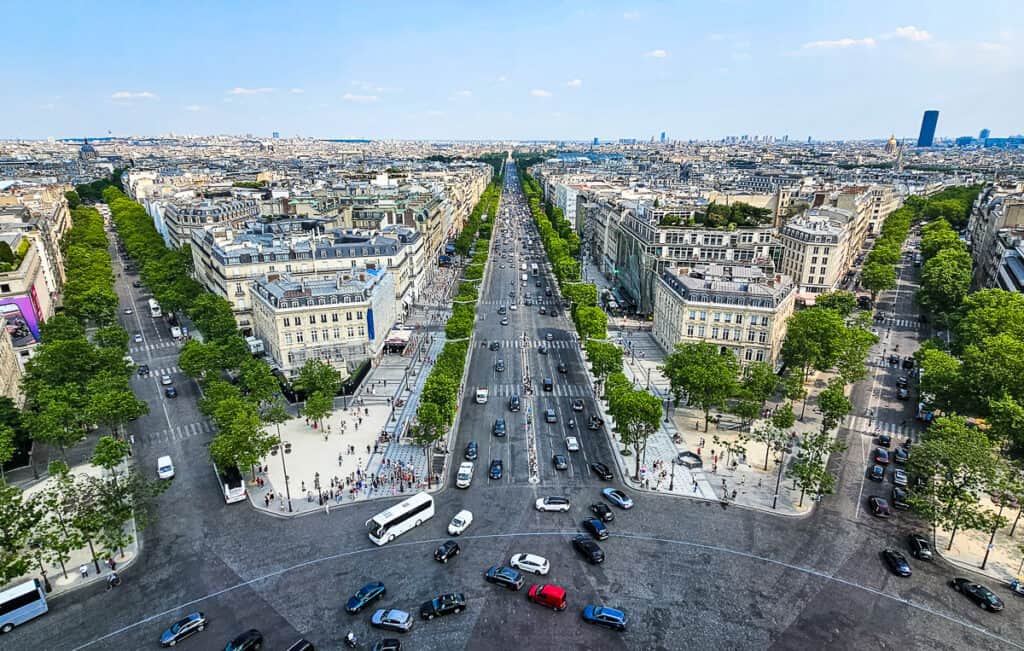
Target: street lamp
[780,456]
[672,480]
[287,488]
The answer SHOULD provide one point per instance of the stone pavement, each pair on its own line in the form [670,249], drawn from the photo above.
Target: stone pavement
[71,576]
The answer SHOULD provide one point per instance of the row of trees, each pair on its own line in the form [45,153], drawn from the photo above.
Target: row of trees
[879,272]
[946,273]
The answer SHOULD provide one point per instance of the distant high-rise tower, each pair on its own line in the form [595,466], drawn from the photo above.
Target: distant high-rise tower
[595,141]
[662,136]
[277,134]
[892,145]
[985,133]
[928,124]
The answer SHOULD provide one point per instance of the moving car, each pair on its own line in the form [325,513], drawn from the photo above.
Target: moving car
[143,369]
[602,511]
[885,441]
[595,528]
[550,416]
[588,549]
[471,451]
[542,349]
[365,596]
[446,551]
[553,503]
[577,405]
[464,477]
[495,345]
[166,380]
[513,403]
[171,392]
[920,548]
[601,470]
[604,616]
[879,506]
[897,562]
[248,641]
[164,467]
[505,577]
[549,336]
[446,604]
[137,338]
[901,382]
[549,385]
[548,595]
[530,563]
[494,472]
[185,627]
[499,427]
[129,310]
[977,593]
[559,461]
[392,619]
[460,522]
[563,367]
[499,365]
[902,394]
[618,498]
[572,444]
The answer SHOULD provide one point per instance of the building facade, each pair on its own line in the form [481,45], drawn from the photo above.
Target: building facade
[928,123]
[182,217]
[738,308]
[342,321]
[817,249]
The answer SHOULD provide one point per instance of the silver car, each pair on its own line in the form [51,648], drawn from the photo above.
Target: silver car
[395,620]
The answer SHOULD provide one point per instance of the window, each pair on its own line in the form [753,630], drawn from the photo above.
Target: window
[287,322]
[714,333]
[334,317]
[298,320]
[703,315]
[359,316]
[312,319]
[693,315]
[362,332]
[348,316]
[751,335]
[351,331]
[323,334]
[313,336]
[298,337]
[689,331]
[337,333]
[700,331]
[763,337]
[288,338]
[323,318]
[739,319]
[748,355]
[728,317]
[718,316]
[760,356]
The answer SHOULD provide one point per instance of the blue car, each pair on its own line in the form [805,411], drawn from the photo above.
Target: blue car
[604,616]
[618,498]
[366,594]
[496,469]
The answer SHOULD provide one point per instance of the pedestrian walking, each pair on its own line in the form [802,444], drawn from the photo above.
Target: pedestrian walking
[266,501]
[84,570]
[694,485]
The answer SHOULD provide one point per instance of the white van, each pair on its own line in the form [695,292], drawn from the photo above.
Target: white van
[164,468]
[481,396]
[465,476]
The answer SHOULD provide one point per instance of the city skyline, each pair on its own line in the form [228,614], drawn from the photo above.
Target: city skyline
[533,72]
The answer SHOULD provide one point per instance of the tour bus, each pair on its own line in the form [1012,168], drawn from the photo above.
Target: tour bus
[154,308]
[387,525]
[231,484]
[21,603]
[534,268]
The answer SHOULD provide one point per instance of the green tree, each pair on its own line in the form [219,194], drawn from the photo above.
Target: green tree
[759,382]
[54,530]
[317,376]
[199,360]
[18,519]
[258,381]
[815,339]
[318,407]
[770,436]
[877,277]
[841,301]
[216,392]
[431,424]
[112,336]
[987,313]
[945,280]
[58,421]
[852,360]
[938,236]
[604,358]
[112,403]
[591,323]
[995,367]
[705,376]
[833,404]
[7,446]
[783,416]
[61,327]
[810,469]
[637,415]
[942,386]
[1006,418]
[956,463]
[110,453]
[242,440]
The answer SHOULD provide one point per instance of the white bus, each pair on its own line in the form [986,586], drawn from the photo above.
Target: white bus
[534,268]
[21,603]
[154,308]
[385,527]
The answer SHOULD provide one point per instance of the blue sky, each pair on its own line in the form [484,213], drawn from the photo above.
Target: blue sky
[525,70]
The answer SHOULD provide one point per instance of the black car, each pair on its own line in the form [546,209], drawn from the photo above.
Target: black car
[908,363]
[563,367]
[496,469]
[136,283]
[471,451]
[900,455]
[366,595]
[504,576]
[882,456]
[977,593]
[602,511]
[513,403]
[143,369]
[445,604]
[595,528]
[560,462]
[899,499]
[601,471]
[920,548]
[183,628]
[495,345]
[499,427]
[885,441]
[897,562]
[876,473]
[248,641]
[588,549]
[577,405]
[388,644]
[448,549]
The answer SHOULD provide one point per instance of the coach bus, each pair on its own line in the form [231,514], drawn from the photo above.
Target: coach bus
[387,525]
[154,308]
[21,603]
[534,269]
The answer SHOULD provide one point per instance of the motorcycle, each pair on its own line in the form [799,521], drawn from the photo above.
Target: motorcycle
[572,423]
[351,641]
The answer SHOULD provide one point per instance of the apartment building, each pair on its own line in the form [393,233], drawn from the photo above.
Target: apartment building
[818,249]
[343,320]
[996,222]
[181,217]
[228,260]
[738,308]
[12,365]
[871,204]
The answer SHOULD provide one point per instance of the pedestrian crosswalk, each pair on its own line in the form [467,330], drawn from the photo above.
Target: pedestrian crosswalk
[167,370]
[179,432]
[537,343]
[559,390]
[156,345]
[889,322]
[866,425]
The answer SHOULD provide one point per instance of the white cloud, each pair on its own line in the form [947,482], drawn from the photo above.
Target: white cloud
[238,90]
[574,83]
[464,93]
[296,91]
[540,92]
[502,79]
[840,43]
[910,33]
[359,99]
[193,107]
[716,37]
[124,94]
[631,15]
[657,54]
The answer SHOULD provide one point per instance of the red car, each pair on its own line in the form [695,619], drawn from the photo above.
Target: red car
[547,595]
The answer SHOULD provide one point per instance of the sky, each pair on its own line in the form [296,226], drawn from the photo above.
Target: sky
[577,69]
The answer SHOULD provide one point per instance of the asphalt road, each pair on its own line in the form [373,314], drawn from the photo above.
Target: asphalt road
[689,574]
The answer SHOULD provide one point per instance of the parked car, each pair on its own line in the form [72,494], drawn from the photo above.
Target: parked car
[530,563]
[920,548]
[977,593]
[553,503]
[899,499]
[882,456]
[460,522]
[902,382]
[548,595]
[560,462]
[185,627]
[448,550]
[899,477]
[902,394]
[602,471]
[900,455]
[392,619]
[897,562]
[251,640]
[595,528]
[876,473]
[879,506]
[505,577]
[602,511]
[618,498]
[885,441]
[604,616]
[446,604]
[588,549]
[365,596]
